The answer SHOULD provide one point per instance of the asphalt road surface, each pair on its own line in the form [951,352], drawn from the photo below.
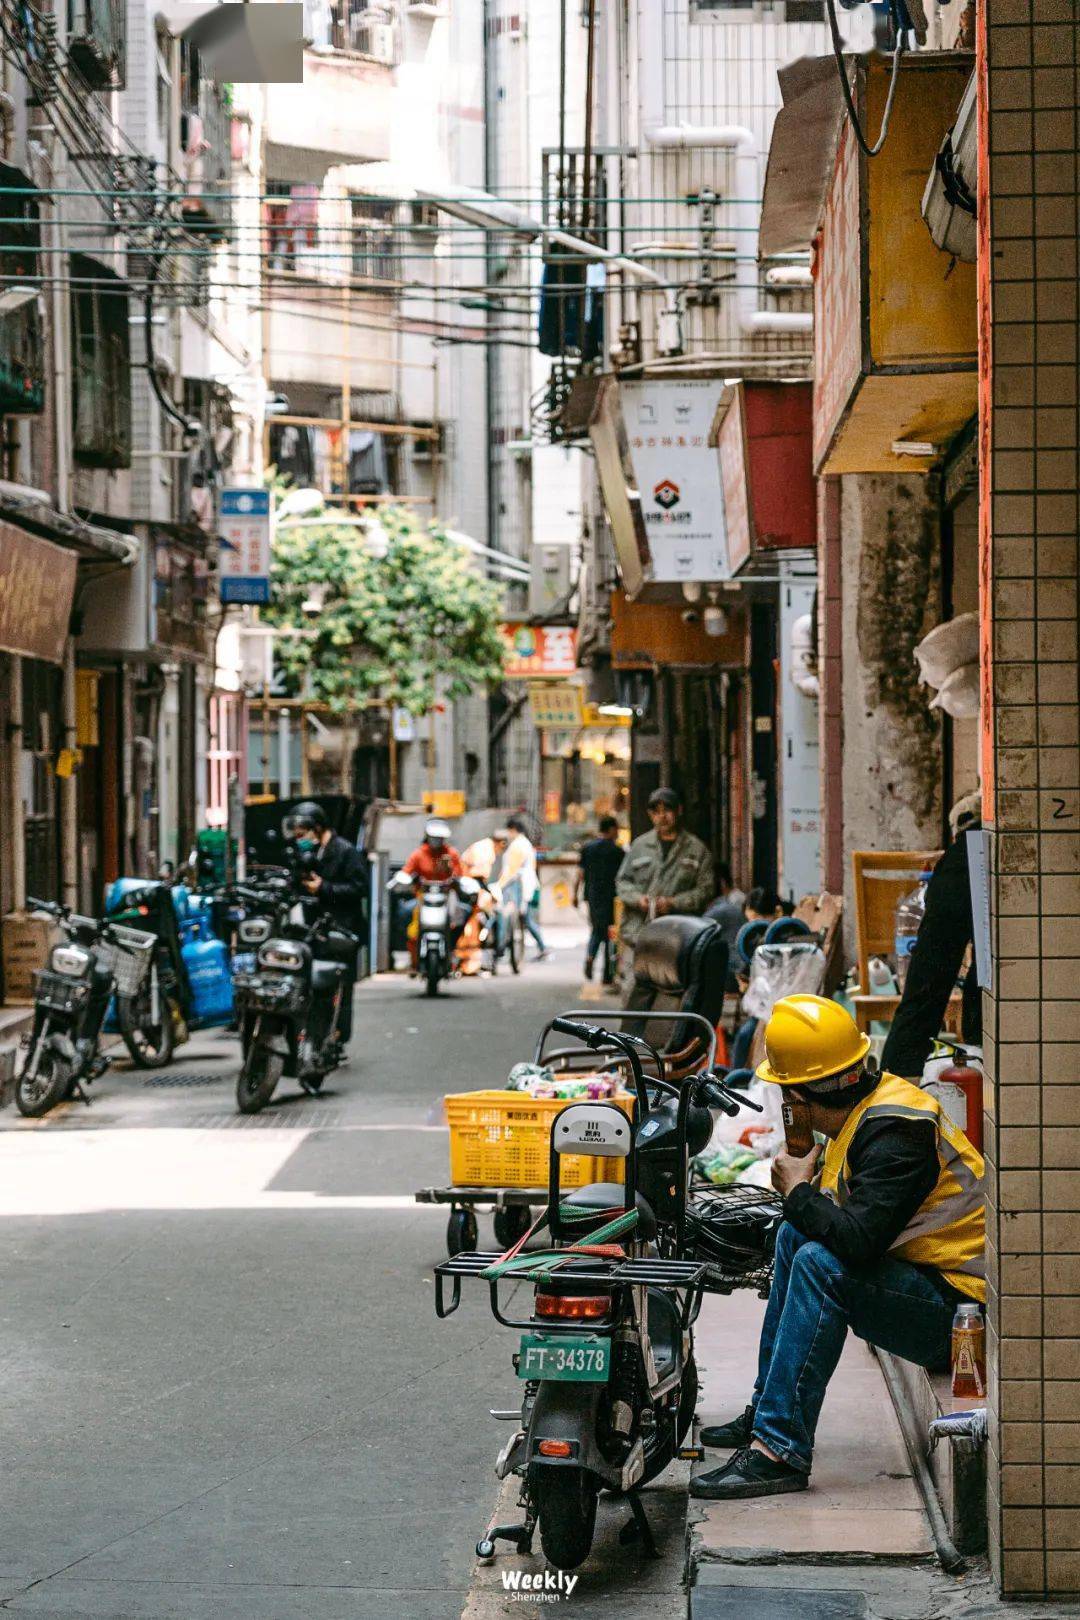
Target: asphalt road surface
[226,1393]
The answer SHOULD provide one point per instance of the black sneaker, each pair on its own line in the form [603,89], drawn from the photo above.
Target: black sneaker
[749,1473]
[729,1436]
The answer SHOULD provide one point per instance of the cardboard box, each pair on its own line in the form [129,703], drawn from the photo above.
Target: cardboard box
[27,941]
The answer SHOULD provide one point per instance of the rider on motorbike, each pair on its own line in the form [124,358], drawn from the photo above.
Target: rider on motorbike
[435,860]
[334,875]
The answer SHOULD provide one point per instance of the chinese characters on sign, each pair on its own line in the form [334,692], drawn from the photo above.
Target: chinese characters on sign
[533,651]
[837,299]
[734,474]
[667,428]
[244,532]
[37,584]
[555,706]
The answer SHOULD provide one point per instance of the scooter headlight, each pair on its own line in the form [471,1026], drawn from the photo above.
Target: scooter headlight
[281,954]
[70,960]
[254,930]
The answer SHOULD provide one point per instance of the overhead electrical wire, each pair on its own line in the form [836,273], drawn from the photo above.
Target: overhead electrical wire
[845,87]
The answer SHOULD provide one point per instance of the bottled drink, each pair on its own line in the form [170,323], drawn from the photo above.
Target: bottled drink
[968,1351]
[909,916]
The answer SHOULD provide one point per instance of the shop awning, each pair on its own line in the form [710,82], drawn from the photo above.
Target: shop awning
[802,154]
[32,511]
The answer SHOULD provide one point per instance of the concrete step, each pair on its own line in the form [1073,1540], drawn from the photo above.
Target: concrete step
[957,1468]
[15,1022]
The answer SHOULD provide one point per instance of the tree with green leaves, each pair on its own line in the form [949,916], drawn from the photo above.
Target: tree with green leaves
[405,620]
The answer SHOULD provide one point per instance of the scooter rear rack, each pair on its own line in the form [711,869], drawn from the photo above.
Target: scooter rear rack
[647,1271]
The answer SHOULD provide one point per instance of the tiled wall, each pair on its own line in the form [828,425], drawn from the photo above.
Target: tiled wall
[1033,1022]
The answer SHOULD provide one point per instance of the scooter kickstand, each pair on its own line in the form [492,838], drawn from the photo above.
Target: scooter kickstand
[520,1534]
[638,1527]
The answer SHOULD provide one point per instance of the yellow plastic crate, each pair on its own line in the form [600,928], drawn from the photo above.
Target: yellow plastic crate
[503,1139]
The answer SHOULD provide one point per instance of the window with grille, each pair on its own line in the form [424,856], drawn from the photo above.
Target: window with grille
[290,223]
[725,11]
[375,254]
[101,365]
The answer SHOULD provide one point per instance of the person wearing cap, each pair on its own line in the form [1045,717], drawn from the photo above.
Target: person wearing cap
[666,870]
[882,1234]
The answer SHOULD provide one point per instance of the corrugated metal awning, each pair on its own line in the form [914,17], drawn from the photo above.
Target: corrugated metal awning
[31,510]
[802,153]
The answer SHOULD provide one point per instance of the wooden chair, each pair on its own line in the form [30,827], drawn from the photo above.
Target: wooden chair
[881,879]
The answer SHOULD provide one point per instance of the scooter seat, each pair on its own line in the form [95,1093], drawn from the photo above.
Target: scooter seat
[326,976]
[608,1198]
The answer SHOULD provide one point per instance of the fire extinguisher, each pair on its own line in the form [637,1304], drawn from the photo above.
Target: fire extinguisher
[966,1080]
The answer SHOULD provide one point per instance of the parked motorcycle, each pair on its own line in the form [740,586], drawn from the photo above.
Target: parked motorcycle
[71,997]
[606,1354]
[289,1007]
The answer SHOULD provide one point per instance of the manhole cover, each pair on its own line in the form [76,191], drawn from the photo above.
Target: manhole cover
[181,1077]
[775,1603]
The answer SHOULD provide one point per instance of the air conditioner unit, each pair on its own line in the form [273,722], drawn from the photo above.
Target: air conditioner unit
[374,39]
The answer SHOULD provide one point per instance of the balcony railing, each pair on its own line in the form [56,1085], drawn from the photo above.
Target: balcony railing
[205,149]
[97,37]
[22,341]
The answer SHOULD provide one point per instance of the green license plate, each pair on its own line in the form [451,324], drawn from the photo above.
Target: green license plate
[577,1358]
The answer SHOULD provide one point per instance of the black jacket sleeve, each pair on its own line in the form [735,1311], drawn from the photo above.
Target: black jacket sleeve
[893,1168]
[345,883]
[934,963]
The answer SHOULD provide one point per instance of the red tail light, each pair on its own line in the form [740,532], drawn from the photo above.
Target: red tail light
[580,1307]
[555,1448]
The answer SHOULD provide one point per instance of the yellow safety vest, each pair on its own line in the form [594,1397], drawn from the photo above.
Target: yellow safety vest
[948,1231]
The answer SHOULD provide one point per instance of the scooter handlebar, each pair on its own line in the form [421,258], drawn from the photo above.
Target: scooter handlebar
[589,1034]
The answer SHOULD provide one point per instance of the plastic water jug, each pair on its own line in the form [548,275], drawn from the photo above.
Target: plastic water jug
[909,915]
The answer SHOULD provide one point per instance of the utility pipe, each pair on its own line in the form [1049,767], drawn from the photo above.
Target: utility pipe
[736,138]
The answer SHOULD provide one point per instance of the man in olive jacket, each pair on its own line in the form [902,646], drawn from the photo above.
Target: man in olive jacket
[667,871]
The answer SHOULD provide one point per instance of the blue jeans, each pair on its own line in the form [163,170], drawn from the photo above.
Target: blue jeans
[814,1300]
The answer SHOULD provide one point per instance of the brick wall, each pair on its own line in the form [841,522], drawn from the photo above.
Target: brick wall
[1031,426]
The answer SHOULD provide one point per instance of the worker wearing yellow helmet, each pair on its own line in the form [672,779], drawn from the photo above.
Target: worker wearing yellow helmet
[883,1234]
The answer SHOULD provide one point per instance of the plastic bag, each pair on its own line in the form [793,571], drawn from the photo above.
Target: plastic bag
[722,1165]
[782,970]
[762,1133]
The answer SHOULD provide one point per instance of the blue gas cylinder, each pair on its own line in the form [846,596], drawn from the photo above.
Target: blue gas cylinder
[207,961]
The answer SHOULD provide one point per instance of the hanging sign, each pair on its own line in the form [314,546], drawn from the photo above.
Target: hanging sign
[244,535]
[37,587]
[538,650]
[678,477]
[555,706]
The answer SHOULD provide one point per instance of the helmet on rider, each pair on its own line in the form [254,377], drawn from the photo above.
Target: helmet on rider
[307,816]
[436,835]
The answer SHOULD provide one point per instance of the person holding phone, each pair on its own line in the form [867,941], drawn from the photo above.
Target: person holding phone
[883,1234]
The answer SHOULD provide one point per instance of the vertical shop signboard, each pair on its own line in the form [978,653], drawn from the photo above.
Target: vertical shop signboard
[734,477]
[244,535]
[837,298]
[678,477]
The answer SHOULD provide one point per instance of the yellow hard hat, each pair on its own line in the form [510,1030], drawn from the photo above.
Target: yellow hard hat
[809,1038]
